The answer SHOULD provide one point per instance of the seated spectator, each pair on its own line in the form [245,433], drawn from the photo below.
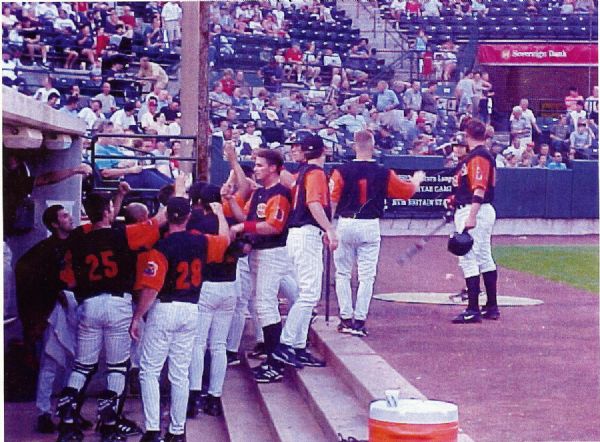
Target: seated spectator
[330,140]
[292,105]
[8,18]
[152,74]
[431,8]
[219,100]
[70,107]
[413,8]
[543,152]
[528,156]
[32,40]
[108,101]
[309,119]
[92,115]
[293,62]
[63,23]
[311,61]
[260,101]
[511,160]
[228,82]
[331,58]
[53,100]
[384,140]
[239,99]
[557,162]
[499,159]
[361,50]
[398,9]
[128,16]
[577,115]
[581,140]
[585,7]
[542,162]
[516,148]
[412,97]
[147,118]
[172,112]
[251,139]
[591,104]
[352,121]
[572,99]
[429,101]
[124,118]
[478,7]
[520,129]
[449,59]
[43,93]
[272,75]
[155,38]
[84,45]
[567,7]
[559,134]
[9,67]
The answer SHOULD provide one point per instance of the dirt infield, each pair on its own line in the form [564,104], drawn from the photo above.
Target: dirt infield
[532,376]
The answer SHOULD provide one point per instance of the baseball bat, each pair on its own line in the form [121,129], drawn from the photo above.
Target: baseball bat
[419,245]
[327,282]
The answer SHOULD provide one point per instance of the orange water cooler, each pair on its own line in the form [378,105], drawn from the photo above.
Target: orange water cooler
[401,420]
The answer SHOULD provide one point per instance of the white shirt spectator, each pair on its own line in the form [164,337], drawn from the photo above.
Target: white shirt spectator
[15,38]
[8,69]
[147,120]
[353,123]
[61,24]
[108,102]
[90,117]
[253,140]
[46,10]
[398,5]
[9,21]
[121,119]
[575,116]
[258,104]
[332,60]
[431,8]
[528,115]
[171,11]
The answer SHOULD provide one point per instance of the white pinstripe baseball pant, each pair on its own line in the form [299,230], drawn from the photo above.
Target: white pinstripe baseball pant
[359,242]
[103,318]
[244,304]
[267,268]
[305,248]
[479,259]
[169,333]
[215,311]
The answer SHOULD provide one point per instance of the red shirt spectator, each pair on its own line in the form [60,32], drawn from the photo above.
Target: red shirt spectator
[228,84]
[293,54]
[128,20]
[413,7]
[572,99]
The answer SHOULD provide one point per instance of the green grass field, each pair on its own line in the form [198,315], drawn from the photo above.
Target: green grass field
[573,265]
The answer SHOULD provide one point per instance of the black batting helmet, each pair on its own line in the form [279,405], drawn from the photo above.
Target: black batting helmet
[312,146]
[459,244]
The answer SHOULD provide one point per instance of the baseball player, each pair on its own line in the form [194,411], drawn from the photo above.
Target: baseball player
[100,269]
[474,185]
[309,220]
[265,223]
[171,275]
[359,189]
[218,297]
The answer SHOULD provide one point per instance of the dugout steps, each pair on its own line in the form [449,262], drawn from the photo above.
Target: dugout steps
[313,404]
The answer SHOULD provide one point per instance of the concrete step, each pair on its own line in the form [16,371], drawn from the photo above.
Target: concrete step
[333,404]
[362,370]
[244,419]
[290,418]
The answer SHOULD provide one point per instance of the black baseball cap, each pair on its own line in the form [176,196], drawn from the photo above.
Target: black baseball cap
[312,143]
[178,208]
[195,190]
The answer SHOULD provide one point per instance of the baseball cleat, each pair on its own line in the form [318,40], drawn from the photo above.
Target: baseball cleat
[492,313]
[345,326]
[267,374]
[258,352]
[213,406]
[195,405]
[152,436]
[285,354]
[359,329]
[175,437]
[233,358]
[127,427]
[468,317]
[308,359]
[44,424]
[69,433]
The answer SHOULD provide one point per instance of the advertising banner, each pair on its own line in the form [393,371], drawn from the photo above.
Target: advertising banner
[542,54]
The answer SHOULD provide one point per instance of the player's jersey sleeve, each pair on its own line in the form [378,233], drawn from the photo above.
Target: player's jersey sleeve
[248,204]
[216,246]
[316,187]
[398,188]
[151,270]
[336,184]
[227,205]
[277,212]
[478,170]
[143,235]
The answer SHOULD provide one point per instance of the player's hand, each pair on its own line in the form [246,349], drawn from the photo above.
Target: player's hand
[236,230]
[217,208]
[124,188]
[135,169]
[226,191]
[135,329]
[229,151]
[84,169]
[418,177]
[470,223]
[450,203]
[331,239]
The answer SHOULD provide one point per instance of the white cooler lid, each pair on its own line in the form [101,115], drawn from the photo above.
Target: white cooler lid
[414,411]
